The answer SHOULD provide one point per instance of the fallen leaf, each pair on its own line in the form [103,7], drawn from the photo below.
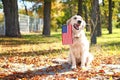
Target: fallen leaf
[111,78]
[101,71]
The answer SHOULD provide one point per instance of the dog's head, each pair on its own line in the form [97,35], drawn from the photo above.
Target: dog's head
[77,23]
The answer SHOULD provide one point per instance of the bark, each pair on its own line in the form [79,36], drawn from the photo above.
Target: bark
[110,17]
[94,19]
[80,7]
[47,17]
[99,31]
[11,18]
[86,18]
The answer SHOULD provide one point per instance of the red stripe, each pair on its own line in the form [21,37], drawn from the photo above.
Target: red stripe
[67,37]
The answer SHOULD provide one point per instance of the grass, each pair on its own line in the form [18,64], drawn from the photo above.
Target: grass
[109,43]
[35,44]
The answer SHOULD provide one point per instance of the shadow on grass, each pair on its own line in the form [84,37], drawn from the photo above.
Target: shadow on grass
[112,44]
[42,73]
[30,39]
[34,53]
[117,44]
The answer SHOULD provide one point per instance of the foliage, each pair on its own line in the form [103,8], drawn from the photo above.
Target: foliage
[104,12]
[1,5]
[56,14]
[1,17]
[62,11]
[22,11]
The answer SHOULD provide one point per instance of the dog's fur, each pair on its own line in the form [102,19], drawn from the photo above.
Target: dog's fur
[79,50]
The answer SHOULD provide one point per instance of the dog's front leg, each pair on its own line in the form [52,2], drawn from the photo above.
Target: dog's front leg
[83,60]
[89,60]
[69,60]
[73,61]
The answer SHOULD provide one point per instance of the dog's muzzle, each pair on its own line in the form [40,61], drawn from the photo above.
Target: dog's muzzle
[76,26]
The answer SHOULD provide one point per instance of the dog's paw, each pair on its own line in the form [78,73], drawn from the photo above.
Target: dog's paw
[84,68]
[73,67]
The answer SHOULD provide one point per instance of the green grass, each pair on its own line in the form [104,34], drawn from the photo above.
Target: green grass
[108,43]
[35,44]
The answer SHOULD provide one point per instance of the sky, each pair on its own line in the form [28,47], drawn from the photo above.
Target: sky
[100,1]
[21,5]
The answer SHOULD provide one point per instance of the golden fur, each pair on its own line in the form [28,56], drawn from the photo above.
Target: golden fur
[79,50]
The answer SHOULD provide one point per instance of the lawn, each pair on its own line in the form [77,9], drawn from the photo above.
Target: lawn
[34,51]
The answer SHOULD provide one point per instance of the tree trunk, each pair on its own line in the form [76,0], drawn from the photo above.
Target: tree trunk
[86,18]
[80,7]
[110,17]
[94,19]
[47,18]
[26,11]
[11,18]
[99,33]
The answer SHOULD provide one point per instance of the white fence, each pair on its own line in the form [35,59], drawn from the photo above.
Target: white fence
[27,24]
[2,28]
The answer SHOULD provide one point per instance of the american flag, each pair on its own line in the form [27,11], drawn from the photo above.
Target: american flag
[67,35]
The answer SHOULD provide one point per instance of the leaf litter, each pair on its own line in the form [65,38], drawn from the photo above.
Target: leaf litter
[37,68]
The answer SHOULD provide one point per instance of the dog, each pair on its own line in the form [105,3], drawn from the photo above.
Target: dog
[79,50]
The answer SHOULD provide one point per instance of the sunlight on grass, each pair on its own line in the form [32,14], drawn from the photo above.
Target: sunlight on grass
[32,45]
[108,44]
[35,44]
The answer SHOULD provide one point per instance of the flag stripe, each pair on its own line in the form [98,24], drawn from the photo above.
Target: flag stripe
[67,35]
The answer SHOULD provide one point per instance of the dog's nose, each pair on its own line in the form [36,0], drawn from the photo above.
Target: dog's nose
[79,22]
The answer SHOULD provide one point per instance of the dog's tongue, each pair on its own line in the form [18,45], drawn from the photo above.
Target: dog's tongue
[76,26]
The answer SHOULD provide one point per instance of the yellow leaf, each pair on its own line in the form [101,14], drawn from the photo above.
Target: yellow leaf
[111,78]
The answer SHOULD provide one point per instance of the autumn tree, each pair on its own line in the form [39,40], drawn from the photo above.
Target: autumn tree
[80,7]
[99,31]
[86,10]
[26,11]
[11,18]
[47,17]
[110,17]
[94,19]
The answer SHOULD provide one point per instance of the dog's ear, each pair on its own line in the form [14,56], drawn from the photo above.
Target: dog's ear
[83,23]
[68,21]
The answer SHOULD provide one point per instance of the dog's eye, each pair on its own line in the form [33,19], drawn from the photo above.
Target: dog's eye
[75,17]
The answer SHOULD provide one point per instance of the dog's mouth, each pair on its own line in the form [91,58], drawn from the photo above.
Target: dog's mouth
[76,26]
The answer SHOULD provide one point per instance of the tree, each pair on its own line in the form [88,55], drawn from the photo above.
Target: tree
[80,7]
[26,11]
[110,17]
[11,18]
[94,19]
[86,15]
[99,33]
[47,17]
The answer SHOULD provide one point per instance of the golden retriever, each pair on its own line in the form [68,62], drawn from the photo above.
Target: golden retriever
[79,50]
